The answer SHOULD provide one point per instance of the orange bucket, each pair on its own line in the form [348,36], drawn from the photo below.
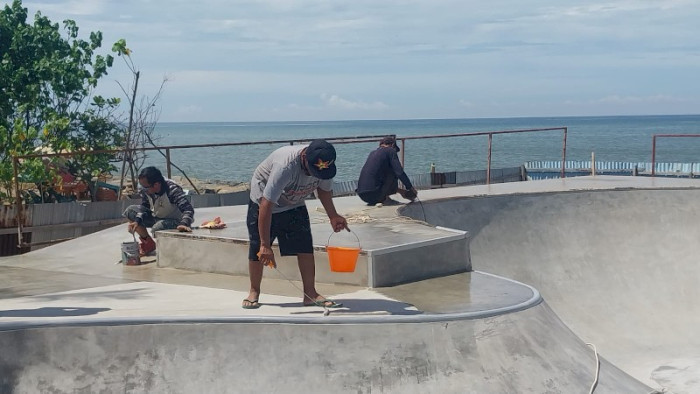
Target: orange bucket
[342,258]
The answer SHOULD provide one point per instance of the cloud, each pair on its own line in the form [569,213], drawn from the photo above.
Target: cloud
[248,59]
[302,107]
[191,109]
[70,8]
[659,98]
[339,102]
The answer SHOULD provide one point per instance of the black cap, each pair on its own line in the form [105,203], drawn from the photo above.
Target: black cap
[389,140]
[320,159]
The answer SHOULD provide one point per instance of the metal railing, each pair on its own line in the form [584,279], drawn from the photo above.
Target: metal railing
[490,135]
[653,146]
[16,161]
[165,150]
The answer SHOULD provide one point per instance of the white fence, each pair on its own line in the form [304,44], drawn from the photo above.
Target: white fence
[551,169]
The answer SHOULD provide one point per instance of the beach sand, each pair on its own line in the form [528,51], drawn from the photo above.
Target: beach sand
[211,186]
[203,186]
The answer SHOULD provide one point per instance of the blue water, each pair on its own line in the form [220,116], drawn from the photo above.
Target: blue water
[612,138]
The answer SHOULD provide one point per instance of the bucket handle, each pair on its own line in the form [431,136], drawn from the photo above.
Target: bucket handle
[353,233]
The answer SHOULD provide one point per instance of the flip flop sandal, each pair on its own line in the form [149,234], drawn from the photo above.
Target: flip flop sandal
[252,304]
[327,303]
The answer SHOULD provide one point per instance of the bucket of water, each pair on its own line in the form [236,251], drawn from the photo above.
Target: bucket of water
[343,258]
[130,253]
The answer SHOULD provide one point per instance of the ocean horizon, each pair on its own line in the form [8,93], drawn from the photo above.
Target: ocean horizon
[612,138]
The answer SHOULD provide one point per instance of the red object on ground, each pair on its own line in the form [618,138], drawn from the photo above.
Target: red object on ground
[147,246]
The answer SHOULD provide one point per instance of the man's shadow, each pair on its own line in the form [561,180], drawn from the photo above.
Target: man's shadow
[52,312]
[357,306]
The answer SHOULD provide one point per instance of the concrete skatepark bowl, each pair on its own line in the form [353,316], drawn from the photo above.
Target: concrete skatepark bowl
[619,267]
[557,264]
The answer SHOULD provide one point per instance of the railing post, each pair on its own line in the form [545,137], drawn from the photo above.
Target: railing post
[653,155]
[19,214]
[488,161]
[403,152]
[167,163]
[563,155]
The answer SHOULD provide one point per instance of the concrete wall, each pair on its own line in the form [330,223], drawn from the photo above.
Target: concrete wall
[398,265]
[525,352]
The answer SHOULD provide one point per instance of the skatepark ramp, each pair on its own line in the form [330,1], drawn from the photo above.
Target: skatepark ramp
[619,267]
[529,351]
[572,290]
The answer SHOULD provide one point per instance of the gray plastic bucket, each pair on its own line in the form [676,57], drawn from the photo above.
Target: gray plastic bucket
[130,253]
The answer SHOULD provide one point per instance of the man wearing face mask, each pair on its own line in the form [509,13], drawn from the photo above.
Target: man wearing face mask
[277,210]
[163,207]
[380,175]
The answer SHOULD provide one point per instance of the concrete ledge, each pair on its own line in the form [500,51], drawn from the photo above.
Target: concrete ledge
[392,253]
[417,261]
[222,255]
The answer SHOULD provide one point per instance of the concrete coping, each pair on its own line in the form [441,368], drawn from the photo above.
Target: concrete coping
[534,300]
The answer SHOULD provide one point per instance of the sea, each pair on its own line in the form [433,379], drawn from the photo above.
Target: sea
[610,138]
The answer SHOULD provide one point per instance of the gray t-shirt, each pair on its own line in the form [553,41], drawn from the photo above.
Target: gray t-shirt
[281,179]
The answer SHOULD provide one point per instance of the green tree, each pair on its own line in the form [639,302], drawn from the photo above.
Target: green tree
[47,80]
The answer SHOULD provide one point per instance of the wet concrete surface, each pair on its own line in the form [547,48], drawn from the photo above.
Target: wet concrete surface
[467,292]
[20,282]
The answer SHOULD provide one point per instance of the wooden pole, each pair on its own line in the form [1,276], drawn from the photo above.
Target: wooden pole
[19,215]
[488,161]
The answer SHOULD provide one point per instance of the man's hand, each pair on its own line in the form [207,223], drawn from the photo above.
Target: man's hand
[411,194]
[131,227]
[266,256]
[184,229]
[338,223]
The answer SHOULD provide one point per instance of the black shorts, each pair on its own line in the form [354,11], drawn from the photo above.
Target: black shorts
[291,228]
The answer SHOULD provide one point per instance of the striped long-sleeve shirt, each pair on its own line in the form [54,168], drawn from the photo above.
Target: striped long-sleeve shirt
[176,198]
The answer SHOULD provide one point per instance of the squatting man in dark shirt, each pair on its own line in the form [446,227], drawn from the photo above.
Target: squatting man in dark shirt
[380,175]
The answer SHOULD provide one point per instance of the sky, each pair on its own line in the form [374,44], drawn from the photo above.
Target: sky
[285,60]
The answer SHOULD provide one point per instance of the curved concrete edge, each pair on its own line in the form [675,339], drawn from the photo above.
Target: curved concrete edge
[534,300]
[530,351]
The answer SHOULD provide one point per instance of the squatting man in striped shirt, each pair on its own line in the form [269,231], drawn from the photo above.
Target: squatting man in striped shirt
[163,207]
